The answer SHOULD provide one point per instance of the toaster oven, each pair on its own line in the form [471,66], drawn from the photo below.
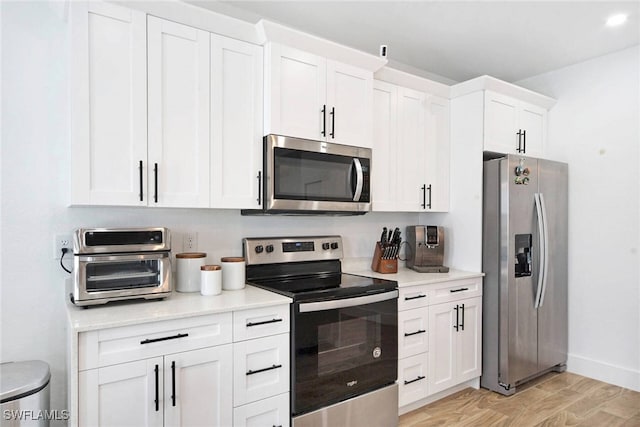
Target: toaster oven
[120,264]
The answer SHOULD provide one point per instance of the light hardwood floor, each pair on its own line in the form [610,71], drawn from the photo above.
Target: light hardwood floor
[553,400]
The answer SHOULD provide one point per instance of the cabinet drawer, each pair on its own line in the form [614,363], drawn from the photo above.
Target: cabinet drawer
[413,297]
[456,290]
[412,379]
[260,368]
[413,336]
[273,411]
[260,322]
[118,345]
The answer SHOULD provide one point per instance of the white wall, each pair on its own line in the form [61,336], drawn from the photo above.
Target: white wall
[35,190]
[595,128]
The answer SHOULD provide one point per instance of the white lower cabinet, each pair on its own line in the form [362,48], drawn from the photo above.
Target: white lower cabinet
[413,381]
[273,411]
[182,389]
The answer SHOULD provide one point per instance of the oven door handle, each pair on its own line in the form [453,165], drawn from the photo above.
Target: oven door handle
[308,307]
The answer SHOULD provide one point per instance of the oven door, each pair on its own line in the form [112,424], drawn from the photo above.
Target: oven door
[305,175]
[343,348]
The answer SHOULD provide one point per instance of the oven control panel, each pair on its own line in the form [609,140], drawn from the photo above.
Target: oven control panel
[273,250]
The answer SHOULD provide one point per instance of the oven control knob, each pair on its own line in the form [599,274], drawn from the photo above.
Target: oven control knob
[325,246]
[334,245]
[269,248]
[259,249]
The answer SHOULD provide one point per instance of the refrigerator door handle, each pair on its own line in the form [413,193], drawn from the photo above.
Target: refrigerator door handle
[546,249]
[542,245]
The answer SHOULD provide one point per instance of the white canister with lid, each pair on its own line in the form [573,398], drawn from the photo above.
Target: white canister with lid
[188,271]
[233,273]
[210,280]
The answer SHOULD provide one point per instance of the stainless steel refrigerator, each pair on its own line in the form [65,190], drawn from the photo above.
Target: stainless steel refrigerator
[524,257]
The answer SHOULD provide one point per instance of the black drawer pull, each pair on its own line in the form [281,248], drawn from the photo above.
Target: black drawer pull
[250,372]
[420,331]
[250,324]
[173,337]
[420,377]
[416,297]
[459,290]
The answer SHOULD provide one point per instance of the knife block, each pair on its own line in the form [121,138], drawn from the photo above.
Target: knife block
[383,265]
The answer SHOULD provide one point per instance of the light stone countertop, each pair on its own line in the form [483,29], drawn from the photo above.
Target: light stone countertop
[178,305]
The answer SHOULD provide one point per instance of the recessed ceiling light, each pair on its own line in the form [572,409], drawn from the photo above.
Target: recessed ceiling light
[615,20]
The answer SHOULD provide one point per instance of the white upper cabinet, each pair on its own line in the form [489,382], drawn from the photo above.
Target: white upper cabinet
[178,114]
[309,96]
[410,169]
[236,123]
[109,105]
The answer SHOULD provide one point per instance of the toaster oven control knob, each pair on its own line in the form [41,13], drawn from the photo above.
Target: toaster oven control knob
[325,246]
[259,249]
[269,248]
[334,245]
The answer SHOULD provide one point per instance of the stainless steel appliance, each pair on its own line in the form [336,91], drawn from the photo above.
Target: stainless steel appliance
[344,331]
[425,252]
[524,258]
[120,263]
[302,176]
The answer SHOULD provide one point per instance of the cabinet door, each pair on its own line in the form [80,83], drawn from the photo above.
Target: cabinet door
[123,395]
[533,121]
[384,161]
[260,369]
[349,104]
[442,344]
[413,382]
[411,151]
[273,411]
[437,154]
[197,387]
[236,123]
[500,123]
[469,336]
[296,93]
[413,337]
[178,82]
[109,106]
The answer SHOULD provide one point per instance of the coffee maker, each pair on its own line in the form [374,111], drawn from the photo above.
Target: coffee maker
[425,253]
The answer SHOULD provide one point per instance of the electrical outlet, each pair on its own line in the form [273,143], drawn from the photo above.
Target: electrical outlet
[190,241]
[61,241]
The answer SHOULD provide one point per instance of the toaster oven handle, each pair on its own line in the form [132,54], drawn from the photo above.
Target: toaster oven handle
[308,307]
[359,179]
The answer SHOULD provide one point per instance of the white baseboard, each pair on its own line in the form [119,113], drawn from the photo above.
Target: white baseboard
[601,371]
[473,383]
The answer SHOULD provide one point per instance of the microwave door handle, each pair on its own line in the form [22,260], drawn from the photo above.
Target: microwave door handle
[359,180]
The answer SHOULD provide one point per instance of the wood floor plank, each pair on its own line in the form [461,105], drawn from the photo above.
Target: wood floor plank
[556,399]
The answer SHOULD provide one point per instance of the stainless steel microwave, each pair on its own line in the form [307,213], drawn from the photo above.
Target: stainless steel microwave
[302,176]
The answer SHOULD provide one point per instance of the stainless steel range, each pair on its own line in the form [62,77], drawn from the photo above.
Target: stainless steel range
[344,339]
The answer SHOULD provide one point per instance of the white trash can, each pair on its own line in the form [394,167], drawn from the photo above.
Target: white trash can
[24,394]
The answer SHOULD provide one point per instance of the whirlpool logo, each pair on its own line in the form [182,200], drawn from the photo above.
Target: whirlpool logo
[352,383]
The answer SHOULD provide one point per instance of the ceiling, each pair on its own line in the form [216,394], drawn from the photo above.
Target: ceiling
[458,40]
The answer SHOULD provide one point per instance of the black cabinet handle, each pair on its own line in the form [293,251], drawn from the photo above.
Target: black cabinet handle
[324,120]
[419,331]
[462,324]
[257,371]
[259,187]
[140,171]
[519,133]
[173,383]
[457,318]
[172,337]
[333,122]
[429,204]
[420,377]
[157,401]
[424,196]
[524,141]
[155,179]
[250,324]
[459,290]
[416,297]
